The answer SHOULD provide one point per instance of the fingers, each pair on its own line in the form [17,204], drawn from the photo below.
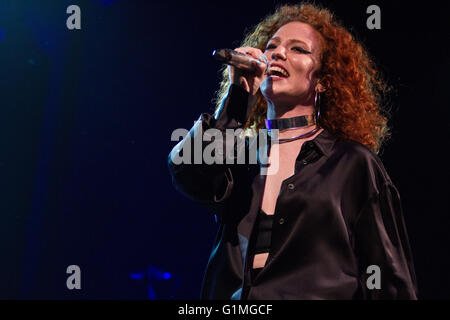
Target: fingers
[250,80]
[260,63]
[253,52]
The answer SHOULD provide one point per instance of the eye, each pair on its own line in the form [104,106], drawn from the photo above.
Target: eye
[270,46]
[301,50]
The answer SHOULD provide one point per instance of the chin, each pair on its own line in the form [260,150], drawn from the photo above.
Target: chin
[274,87]
[276,95]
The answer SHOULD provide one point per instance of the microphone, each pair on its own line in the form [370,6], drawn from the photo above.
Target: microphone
[235,58]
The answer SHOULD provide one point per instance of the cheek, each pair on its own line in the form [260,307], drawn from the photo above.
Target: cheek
[303,68]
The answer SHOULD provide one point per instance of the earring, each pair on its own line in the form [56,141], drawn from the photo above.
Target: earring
[317,106]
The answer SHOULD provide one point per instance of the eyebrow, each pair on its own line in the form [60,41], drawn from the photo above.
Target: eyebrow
[289,41]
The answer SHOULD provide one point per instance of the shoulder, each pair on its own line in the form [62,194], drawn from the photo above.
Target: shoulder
[354,149]
[363,162]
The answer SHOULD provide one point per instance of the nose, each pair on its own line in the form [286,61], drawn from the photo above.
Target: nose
[279,53]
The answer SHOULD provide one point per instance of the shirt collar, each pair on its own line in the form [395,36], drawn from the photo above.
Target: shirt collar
[324,142]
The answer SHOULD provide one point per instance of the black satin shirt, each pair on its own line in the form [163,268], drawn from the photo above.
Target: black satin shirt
[337,215]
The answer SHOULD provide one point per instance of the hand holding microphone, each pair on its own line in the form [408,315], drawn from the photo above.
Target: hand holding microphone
[239,58]
[246,66]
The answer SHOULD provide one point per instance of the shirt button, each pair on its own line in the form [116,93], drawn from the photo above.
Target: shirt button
[281,221]
[291,186]
[305,162]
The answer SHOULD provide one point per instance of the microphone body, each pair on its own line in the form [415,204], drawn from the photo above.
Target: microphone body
[236,59]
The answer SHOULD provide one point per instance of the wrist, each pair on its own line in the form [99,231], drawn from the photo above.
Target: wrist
[252,100]
[241,82]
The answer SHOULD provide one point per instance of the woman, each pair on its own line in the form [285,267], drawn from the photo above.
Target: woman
[327,222]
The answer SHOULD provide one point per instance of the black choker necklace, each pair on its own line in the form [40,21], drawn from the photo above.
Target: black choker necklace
[292,123]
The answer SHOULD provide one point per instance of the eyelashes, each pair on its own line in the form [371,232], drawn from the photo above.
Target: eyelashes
[301,50]
[298,49]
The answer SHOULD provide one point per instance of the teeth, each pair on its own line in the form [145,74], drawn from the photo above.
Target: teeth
[277,69]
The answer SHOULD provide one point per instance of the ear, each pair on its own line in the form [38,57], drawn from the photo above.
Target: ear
[320,87]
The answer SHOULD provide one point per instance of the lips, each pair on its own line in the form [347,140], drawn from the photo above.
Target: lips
[277,70]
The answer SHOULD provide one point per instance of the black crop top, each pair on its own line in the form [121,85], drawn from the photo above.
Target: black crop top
[263,232]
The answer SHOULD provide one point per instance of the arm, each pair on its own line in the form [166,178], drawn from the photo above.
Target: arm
[210,184]
[381,239]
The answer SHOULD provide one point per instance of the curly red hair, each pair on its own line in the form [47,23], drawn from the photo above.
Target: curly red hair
[352,105]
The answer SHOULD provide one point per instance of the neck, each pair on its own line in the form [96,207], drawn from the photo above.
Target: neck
[277,112]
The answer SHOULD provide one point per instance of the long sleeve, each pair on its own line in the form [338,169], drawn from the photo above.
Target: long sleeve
[381,239]
[209,184]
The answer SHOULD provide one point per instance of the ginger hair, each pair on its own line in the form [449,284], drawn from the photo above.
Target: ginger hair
[353,106]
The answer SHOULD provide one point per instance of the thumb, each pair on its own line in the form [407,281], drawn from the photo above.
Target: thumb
[260,67]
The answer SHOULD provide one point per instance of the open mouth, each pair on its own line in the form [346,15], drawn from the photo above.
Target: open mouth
[277,71]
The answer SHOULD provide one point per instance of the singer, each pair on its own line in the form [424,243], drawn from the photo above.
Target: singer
[328,223]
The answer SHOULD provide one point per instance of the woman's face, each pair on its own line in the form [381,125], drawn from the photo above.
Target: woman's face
[295,47]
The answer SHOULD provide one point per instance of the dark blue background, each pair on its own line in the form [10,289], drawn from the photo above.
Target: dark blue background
[85,123]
